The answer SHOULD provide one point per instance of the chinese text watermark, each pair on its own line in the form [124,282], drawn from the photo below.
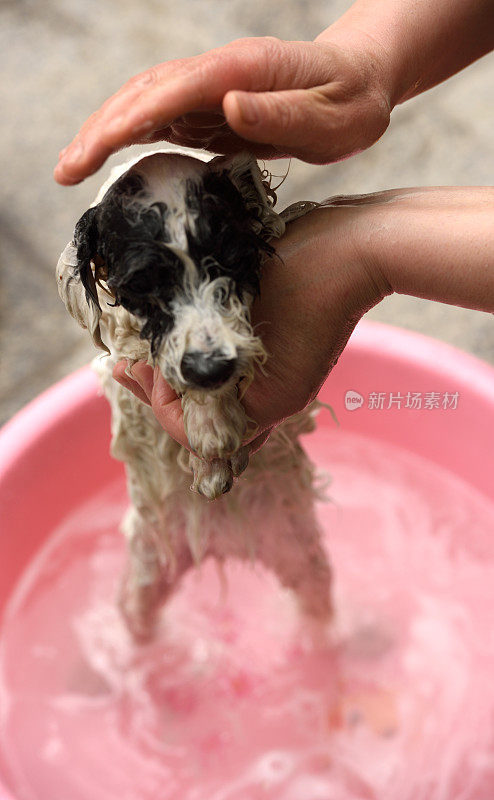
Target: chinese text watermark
[416,401]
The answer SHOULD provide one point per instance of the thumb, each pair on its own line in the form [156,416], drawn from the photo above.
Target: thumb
[167,408]
[296,121]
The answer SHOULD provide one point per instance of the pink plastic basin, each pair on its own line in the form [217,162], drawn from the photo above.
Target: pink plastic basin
[54,453]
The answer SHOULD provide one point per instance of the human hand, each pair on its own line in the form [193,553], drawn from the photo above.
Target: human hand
[317,101]
[311,298]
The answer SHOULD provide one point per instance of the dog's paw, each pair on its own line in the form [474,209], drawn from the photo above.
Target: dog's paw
[211,478]
[214,427]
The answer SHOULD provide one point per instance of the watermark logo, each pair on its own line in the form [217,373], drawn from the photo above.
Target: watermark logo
[417,401]
[353,400]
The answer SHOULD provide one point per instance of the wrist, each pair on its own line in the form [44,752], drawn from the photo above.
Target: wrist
[386,41]
[419,43]
[367,270]
[372,58]
[346,277]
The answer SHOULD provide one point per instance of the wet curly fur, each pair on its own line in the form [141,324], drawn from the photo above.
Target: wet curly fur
[164,267]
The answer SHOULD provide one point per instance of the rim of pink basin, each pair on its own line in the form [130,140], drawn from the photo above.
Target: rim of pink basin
[373,338]
[34,420]
[370,339]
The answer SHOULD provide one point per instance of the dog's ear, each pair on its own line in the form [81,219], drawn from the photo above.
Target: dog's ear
[243,171]
[75,278]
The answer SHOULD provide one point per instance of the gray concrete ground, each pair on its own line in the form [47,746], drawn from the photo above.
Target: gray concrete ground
[62,58]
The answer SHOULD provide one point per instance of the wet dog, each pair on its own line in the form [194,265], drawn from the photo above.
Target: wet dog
[164,267]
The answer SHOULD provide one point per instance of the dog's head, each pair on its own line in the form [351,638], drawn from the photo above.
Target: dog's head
[179,243]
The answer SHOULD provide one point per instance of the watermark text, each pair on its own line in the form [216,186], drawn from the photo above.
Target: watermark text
[415,401]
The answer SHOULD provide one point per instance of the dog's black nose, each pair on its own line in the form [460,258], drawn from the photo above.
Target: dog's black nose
[207,370]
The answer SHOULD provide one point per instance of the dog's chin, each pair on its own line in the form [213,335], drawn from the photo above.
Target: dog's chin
[185,387]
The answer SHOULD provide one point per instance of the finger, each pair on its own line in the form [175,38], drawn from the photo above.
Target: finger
[146,103]
[167,408]
[67,171]
[258,442]
[121,377]
[298,121]
[266,400]
[170,90]
[199,84]
[144,375]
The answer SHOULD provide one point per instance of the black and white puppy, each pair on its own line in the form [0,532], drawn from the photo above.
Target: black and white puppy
[164,267]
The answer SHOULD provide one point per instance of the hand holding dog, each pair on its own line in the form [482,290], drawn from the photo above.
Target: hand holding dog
[308,306]
[311,100]
[335,263]
[320,101]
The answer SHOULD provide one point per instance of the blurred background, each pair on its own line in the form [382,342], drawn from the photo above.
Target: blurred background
[63,58]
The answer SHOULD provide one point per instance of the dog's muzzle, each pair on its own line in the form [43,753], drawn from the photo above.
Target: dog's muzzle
[207,370]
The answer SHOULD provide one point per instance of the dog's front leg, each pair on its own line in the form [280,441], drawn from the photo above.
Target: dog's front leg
[215,425]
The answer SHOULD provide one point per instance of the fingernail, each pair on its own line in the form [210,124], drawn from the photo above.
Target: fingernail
[73,153]
[131,370]
[248,109]
[62,153]
[128,368]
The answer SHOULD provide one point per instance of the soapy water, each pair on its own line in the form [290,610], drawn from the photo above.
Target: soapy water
[238,698]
